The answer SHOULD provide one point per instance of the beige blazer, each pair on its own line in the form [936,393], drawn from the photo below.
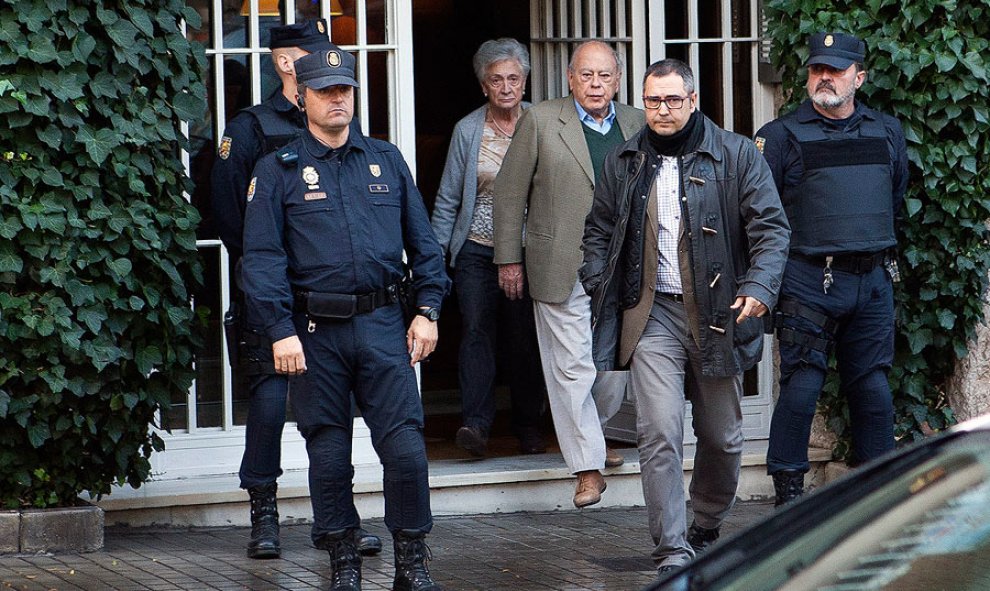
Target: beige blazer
[546,184]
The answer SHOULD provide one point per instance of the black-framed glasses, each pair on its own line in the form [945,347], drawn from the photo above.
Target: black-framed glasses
[672,102]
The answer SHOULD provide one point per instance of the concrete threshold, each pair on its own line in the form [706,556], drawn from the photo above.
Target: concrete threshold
[457,487]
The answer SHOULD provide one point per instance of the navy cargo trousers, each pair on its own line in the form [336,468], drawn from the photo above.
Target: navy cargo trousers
[862,305]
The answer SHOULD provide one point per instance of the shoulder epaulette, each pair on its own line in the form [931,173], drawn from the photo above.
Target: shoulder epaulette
[287,156]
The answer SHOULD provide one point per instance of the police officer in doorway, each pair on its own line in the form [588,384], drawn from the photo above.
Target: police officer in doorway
[328,218]
[251,134]
[841,169]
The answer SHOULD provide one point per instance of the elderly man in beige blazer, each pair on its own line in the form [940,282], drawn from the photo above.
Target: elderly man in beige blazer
[543,192]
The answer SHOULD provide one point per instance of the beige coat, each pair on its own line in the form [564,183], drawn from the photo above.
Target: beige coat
[547,171]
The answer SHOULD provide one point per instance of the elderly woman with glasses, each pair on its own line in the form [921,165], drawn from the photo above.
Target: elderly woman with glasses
[462,220]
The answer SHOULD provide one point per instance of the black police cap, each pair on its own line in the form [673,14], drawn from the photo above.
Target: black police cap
[308,35]
[837,50]
[323,69]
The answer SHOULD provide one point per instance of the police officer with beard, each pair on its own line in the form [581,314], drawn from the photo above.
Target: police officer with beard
[328,220]
[251,134]
[841,170]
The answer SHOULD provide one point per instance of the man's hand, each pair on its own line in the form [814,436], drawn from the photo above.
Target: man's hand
[421,339]
[751,308]
[289,358]
[510,279]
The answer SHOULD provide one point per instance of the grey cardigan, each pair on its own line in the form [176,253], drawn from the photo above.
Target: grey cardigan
[454,206]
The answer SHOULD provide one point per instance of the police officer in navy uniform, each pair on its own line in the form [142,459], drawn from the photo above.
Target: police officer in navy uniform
[328,219]
[841,170]
[251,134]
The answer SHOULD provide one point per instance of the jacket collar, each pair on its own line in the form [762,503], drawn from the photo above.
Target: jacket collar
[806,113]
[711,143]
[280,103]
[319,150]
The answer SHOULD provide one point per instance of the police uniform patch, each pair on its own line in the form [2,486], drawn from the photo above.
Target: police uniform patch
[333,59]
[314,196]
[376,170]
[224,151]
[760,142]
[251,187]
[378,188]
[310,177]
[829,40]
[320,27]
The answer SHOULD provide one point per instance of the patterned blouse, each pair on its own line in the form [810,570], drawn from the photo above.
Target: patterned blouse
[493,147]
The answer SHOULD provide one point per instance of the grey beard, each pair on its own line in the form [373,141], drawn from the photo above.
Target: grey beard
[827,100]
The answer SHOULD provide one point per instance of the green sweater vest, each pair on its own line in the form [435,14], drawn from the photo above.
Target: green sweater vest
[600,145]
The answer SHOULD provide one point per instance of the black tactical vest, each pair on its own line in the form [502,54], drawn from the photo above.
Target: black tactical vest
[277,128]
[844,202]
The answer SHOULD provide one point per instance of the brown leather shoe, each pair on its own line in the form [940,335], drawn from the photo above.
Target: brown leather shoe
[613,458]
[590,486]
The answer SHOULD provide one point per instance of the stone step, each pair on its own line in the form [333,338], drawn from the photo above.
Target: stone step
[457,487]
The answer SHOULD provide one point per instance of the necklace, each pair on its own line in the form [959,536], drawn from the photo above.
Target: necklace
[497,126]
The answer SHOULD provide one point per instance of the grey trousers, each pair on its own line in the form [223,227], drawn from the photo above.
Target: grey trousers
[666,367]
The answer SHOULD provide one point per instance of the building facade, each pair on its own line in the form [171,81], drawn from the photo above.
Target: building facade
[416,81]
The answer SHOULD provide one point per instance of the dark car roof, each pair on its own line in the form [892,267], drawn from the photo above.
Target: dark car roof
[870,527]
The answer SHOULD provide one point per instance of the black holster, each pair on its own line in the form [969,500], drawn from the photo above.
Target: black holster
[256,356]
[232,332]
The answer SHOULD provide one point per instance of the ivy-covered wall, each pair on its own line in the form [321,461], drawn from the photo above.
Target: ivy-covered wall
[927,65]
[97,241]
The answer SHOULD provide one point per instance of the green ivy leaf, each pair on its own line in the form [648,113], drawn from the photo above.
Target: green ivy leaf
[10,262]
[99,144]
[120,268]
[123,32]
[38,434]
[142,21]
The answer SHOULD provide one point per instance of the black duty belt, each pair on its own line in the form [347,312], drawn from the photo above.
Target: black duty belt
[848,263]
[341,306]
[677,297]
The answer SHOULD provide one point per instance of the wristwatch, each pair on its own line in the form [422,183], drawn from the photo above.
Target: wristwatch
[431,314]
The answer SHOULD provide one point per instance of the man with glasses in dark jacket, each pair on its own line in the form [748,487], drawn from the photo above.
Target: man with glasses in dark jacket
[684,248]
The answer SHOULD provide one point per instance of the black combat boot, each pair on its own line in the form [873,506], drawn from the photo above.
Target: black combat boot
[368,544]
[264,522]
[701,538]
[345,561]
[788,485]
[411,556]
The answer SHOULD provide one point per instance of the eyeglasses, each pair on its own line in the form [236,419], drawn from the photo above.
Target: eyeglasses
[512,80]
[672,102]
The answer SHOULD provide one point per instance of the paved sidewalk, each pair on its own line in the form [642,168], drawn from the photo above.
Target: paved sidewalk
[602,549]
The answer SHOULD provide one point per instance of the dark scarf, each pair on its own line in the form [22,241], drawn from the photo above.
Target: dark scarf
[683,141]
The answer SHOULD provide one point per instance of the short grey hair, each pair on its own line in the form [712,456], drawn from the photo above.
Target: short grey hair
[615,54]
[669,66]
[496,50]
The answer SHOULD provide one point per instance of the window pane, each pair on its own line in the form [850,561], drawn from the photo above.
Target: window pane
[204,33]
[742,88]
[742,25]
[676,25]
[378,82]
[710,19]
[343,22]
[209,362]
[376,32]
[234,23]
[709,77]
[307,10]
